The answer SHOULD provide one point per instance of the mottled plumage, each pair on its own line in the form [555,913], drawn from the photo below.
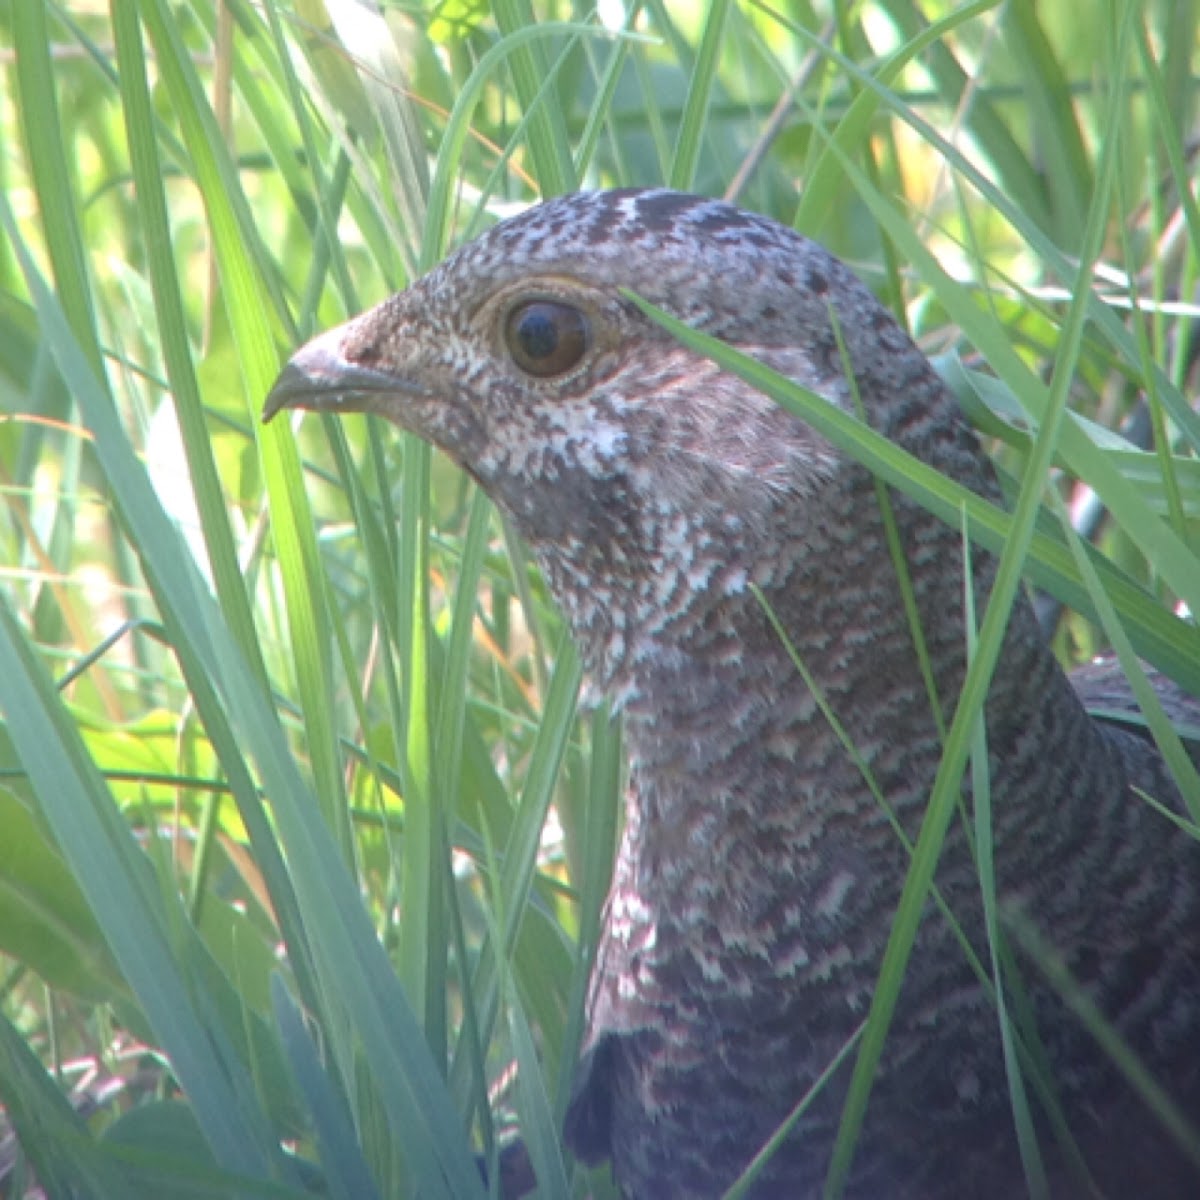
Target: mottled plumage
[758,875]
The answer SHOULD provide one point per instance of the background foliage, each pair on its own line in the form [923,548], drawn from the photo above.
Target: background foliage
[303,844]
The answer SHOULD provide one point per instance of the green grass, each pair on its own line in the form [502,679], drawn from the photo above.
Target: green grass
[294,793]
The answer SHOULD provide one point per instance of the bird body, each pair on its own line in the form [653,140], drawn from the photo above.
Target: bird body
[682,521]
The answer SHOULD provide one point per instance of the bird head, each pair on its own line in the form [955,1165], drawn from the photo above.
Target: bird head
[641,473]
[521,358]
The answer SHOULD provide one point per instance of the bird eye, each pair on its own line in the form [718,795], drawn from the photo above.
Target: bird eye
[546,338]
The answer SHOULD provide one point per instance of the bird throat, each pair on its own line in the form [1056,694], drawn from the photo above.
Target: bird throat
[782,739]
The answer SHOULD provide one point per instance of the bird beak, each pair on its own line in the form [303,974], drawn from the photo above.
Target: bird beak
[321,378]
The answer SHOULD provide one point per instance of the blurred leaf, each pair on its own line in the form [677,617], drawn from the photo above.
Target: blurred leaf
[45,920]
[52,1135]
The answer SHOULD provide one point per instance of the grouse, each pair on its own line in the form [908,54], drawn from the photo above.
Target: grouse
[704,545]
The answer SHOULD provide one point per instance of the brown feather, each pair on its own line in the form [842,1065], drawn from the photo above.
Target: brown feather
[758,875]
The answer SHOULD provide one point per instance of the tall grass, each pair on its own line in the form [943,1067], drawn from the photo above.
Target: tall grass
[296,803]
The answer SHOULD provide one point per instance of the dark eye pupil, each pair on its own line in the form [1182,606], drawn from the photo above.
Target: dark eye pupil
[546,337]
[539,338]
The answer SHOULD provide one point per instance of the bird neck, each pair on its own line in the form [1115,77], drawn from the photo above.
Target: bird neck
[764,731]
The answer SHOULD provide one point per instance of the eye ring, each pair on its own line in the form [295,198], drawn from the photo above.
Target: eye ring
[546,337]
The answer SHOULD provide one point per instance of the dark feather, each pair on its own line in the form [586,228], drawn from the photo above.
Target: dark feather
[759,873]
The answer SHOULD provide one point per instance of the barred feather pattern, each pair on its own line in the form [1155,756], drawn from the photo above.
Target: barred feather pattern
[759,871]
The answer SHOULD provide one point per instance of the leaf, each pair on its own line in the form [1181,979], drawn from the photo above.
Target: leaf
[45,920]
